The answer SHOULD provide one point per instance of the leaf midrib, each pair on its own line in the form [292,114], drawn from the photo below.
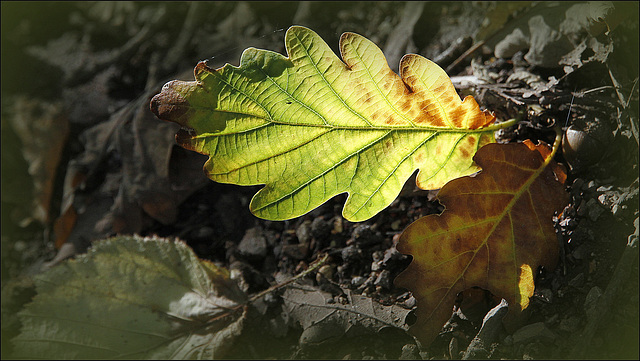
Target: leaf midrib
[353,128]
[270,119]
[498,219]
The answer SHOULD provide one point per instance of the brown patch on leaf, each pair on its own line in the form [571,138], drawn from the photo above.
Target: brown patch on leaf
[456,116]
[184,138]
[388,147]
[468,147]
[406,104]
[170,104]
[391,120]
[430,118]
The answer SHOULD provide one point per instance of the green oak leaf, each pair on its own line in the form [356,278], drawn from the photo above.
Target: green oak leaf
[132,297]
[310,126]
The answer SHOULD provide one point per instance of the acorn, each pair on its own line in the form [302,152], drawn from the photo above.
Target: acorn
[584,143]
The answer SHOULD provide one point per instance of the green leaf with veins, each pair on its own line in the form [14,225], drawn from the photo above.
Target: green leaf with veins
[132,297]
[310,126]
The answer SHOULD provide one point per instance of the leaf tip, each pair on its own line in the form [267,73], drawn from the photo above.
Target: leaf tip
[170,104]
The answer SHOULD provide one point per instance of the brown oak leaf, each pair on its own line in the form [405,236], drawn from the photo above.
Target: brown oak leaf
[495,231]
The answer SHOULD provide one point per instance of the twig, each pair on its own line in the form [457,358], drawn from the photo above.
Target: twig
[580,94]
[635,82]
[617,87]
[624,102]
[518,102]
[464,55]
[312,267]
[634,128]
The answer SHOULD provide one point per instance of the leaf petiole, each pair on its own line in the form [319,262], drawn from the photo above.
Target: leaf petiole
[506,124]
[556,144]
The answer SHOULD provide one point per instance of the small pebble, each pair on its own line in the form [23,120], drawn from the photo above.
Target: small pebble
[253,245]
[303,232]
[364,235]
[320,229]
[409,303]
[577,281]
[570,324]
[533,331]
[296,251]
[357,281]
[591,301]
[350,253]
[594,209]
[384,280]
[410,352]
[326,271]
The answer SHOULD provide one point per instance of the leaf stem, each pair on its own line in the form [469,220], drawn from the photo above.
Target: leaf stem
[503,125]
[312,267]
[556,145]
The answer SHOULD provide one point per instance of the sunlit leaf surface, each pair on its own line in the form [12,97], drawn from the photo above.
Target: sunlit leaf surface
[311,126]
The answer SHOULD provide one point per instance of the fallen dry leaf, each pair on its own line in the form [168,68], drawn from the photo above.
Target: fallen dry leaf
[495,231]
[128,169]
[42,128]
[323,321]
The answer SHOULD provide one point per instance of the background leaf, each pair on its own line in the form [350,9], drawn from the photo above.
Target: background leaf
[311,127]
[324,321]
[132,297]
[495,231]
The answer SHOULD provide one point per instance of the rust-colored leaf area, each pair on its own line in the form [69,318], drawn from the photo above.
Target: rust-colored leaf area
[495,231]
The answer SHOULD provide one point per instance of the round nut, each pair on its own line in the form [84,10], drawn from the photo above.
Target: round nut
[584,145]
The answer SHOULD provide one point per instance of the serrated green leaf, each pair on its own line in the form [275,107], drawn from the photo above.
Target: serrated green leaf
[132,297]
[311,126]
